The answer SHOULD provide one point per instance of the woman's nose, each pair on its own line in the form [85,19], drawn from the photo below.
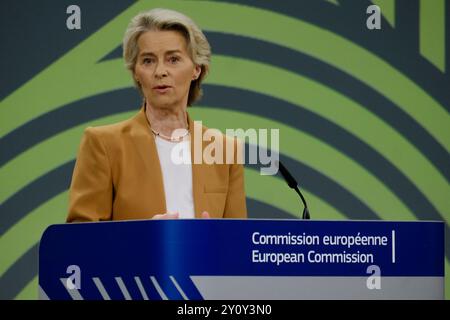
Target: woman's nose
[160,70]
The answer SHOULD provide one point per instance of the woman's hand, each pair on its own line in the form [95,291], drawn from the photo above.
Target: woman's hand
[167,215]
[176,215]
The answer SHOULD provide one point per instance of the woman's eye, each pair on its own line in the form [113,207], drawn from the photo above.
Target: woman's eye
[174,59]
[146,61]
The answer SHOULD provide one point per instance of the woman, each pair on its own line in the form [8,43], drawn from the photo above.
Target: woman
[126,170]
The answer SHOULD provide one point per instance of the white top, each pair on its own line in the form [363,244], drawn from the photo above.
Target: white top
[175,160]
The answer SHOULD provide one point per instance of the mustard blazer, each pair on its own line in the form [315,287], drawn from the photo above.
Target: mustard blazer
[117,176]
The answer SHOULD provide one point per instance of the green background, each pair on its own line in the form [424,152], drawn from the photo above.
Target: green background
[363,114]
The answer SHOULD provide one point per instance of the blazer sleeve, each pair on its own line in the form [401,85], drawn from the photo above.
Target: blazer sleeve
[235,205]
[91,189]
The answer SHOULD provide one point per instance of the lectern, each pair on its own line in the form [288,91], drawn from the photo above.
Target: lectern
[233,259]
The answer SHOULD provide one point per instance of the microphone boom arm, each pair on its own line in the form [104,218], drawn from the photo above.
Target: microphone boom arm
[292,183]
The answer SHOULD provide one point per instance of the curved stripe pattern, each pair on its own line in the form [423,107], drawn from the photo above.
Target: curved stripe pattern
[216,98]
[34,194]
[392,44]
[20,274]
[347,114]
[300,63]
[423,174]
[375,72]
[307,121]
[68,116]
[262,105]
[312,68]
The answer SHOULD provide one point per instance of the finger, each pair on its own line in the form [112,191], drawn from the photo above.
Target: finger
[174,215]
[205,215]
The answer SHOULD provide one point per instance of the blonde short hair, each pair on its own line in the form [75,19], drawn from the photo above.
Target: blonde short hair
[165,19]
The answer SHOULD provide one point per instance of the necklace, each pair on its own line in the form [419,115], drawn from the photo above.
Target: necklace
[170,138]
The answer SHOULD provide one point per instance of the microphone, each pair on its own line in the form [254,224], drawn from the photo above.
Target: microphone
[292,183]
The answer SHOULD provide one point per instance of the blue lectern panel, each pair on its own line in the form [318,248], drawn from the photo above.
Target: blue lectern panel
[242,259]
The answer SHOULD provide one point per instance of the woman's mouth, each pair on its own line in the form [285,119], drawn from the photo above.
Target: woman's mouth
[162,88]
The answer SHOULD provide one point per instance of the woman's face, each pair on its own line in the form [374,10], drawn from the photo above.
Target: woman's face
[164,68]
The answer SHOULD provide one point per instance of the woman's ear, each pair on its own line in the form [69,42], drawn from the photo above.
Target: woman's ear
[197,72]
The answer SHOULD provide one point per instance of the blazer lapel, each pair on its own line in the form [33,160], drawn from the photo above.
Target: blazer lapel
[152,175]
[200,202]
